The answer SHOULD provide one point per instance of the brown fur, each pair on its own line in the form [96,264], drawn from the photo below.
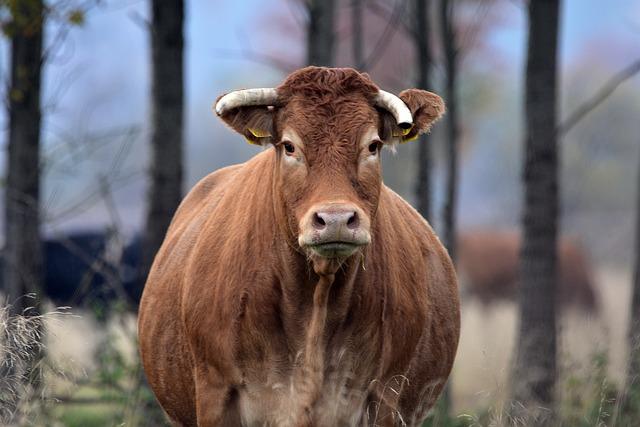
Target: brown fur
[489,262]
[239,325]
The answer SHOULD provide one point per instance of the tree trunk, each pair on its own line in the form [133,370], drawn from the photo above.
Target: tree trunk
[321,32]
[633,376]
[451,122]
[165,190]
[535,367]
[423,55]
[23,255]
[447,35]
[23,258]
[356,28]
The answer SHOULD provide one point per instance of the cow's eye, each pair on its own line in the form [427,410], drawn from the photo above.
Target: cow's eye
[375,146]
[289,148]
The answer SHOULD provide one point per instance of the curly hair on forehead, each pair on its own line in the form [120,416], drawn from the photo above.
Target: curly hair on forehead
[321,82]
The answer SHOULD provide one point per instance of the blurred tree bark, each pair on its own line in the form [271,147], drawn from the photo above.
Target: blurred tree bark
[534,373]
[633,375]
[450,52]
[424,59]
[321,32]
[167,93]
[23,257]
[23,254]
[356,28]
[450,56]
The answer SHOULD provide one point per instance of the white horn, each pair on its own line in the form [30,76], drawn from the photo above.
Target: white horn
[396,107]
[246,97]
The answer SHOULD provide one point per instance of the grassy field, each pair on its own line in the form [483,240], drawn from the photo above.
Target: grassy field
[93,376]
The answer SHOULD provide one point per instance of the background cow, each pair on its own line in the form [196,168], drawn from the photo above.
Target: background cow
[488,264]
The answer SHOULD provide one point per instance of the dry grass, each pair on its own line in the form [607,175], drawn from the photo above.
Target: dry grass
[482,367]
[21,348]
[593,360]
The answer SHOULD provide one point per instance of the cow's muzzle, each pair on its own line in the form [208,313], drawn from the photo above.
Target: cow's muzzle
[334,230]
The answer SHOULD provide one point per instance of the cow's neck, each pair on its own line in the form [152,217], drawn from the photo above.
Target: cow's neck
[299,284]
[329,307]
[308,376]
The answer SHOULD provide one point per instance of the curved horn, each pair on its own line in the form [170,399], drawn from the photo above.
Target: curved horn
[396,107]
[246,97]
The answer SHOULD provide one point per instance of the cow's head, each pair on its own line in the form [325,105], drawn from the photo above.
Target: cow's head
[328,126]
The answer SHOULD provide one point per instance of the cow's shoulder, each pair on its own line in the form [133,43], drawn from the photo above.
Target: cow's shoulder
[206,192]
[397,217]
[422,284]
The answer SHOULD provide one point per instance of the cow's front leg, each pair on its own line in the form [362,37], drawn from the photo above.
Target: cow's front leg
[215,400]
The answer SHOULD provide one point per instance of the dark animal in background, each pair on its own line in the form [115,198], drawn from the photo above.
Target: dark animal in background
[131,270]
[83,269]
[488,265]
[296,289]
[75,270]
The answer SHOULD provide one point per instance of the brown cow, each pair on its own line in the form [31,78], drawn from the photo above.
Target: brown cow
[489,260]
[296,289]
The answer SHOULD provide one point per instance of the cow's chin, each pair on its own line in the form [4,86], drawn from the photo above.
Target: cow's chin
[334,250]
[327,258]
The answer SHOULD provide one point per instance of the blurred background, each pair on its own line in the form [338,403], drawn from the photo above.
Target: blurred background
[115,78]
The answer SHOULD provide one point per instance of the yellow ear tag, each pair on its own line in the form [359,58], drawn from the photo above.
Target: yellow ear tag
[250,141]
[259,133]
[413,138]
[402,132]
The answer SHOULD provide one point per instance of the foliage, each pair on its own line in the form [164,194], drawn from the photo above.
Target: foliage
[76,17]
[587,398]
[26,16]
[115,393]
[112,394]
[440,416]
[21,350]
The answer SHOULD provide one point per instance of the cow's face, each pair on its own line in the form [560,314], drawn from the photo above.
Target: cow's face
[328,133]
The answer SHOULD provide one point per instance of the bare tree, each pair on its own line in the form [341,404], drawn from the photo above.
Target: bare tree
[167,43]
[356,28]
[321,32]
[424,59]
[535,366]
[23,258]
[450,52]
[633,376]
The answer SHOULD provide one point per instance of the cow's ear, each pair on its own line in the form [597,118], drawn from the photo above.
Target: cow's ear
[255,123]
[426,108]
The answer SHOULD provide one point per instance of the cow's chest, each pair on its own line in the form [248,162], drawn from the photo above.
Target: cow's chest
[271,392]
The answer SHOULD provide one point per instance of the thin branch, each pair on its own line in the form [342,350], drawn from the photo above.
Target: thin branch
[140,20]
[386,14]
[469,38]
[600,96]
[387,34]
[90,199]
[297,13]
[256,57]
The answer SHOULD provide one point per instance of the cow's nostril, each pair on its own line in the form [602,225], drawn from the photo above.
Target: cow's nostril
[353,221]
[318,222]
